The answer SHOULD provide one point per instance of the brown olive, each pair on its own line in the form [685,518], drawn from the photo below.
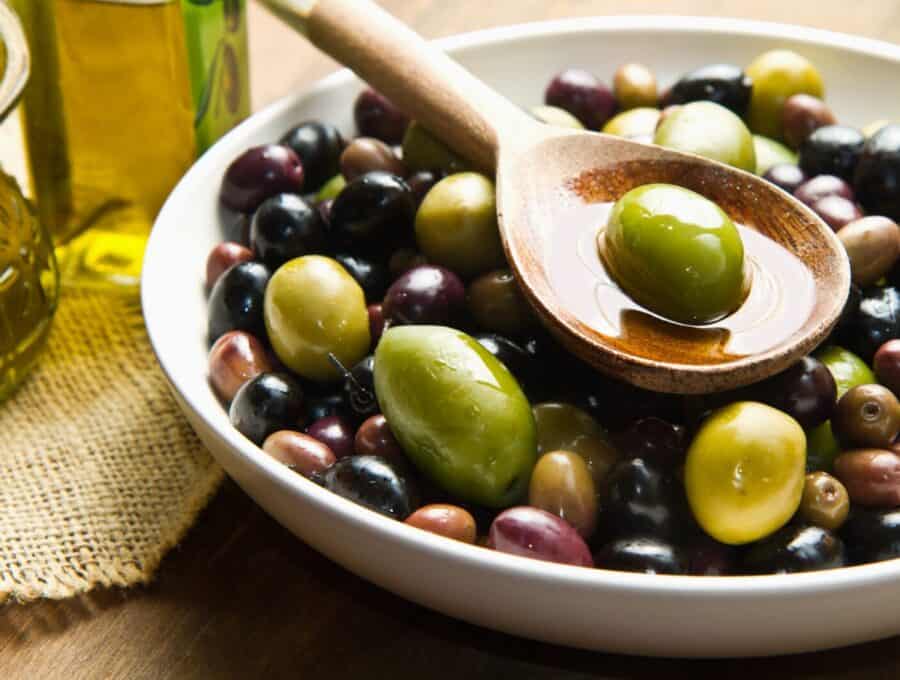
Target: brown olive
[222,257]
[825,501]
[886,365]
[299,451]
[563,427]
[872,476]
[873,246]
[365,154]
[497,304]
[867,416]
[446,520]
[802,115]
[561,484]
[235,358]
[374,438]
[634,85]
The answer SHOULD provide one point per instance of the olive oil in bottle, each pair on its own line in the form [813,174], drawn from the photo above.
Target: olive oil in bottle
[112,118]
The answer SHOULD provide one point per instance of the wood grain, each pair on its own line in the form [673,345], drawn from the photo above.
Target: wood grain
[241,597]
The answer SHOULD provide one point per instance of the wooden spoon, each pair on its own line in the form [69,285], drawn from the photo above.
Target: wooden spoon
[533,162]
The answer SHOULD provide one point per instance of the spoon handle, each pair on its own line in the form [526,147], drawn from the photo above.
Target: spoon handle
[432,88]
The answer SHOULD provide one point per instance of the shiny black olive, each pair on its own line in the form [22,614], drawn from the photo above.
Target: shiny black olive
[284,227]
[268,403]
[708,557]
[374,211]
[723,84]
[654,439]
[359,388]
[795,548]
[806,391]
[236,301]
[370,273]
[327,405]
[319,146]
[872,535]
[642,554]
[373,482]
[876,321]
[832,150]
[513,356]
[877,178]
[639,497]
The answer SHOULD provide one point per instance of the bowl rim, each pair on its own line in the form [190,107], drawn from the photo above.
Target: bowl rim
[505,565]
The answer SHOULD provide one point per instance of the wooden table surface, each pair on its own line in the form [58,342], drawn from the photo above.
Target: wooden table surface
[241,597]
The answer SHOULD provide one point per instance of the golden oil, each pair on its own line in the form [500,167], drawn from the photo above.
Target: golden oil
[111,119]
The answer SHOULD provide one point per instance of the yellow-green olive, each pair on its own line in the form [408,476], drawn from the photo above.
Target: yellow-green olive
[744,472]
[675,252]
[563,427]
[777,75]
[456,225]
[769,153]
[553,115]
[313,307]
[640,122]
[709,130]
[424,151]
[561,484]
[634,85]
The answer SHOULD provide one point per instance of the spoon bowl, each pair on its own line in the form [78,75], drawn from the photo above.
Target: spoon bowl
[536,164]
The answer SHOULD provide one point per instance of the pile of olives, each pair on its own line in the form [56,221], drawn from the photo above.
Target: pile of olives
[367,333]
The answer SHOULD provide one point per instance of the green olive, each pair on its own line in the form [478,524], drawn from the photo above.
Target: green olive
[564,427]
[424,151]
[709,130]
[331,188]
[675,252]
[777,75]
[825,501]
[313,307]
[497,304]
[553,115]
[561,484]
[744,472]
[769,153]
[456,225]
[634,85]
[640,122]
[458,413]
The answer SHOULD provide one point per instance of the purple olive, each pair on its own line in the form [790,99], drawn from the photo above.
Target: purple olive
[583,95]
[259,173]
[786,176]
[806,391]
[531,532]
[421,182]
[836,211]
[819,187]
[377,116]
[425,295]
[335,432]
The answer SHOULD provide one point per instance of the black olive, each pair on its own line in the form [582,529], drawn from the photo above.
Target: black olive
[872,535]
[806,391]
[654,439]
[876,321]
[284,227]
[832,150]
[723,84]
[519,362]
[795,548]
[319,146]
[642,554]
[877,178]
[268,403]
[374,211]
[373,482]
[370,273]
[359,387]
[236,301]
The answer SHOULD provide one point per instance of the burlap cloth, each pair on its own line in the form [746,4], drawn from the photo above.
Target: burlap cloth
[99,473]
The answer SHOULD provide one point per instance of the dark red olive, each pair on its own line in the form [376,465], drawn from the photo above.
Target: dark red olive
[887,365]
[421,182]
[235,358]
[836,211]
[335,432]
[374,438]
[786,176]
[806,391]
[425,295]
[258,173]
[531,532]
[819,187]
[377,116]
[376,322]
[222,257]
[583,95]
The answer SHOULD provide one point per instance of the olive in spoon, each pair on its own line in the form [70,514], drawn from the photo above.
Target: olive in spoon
[534,162]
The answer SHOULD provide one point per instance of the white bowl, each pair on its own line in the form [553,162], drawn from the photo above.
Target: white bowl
[589,608]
